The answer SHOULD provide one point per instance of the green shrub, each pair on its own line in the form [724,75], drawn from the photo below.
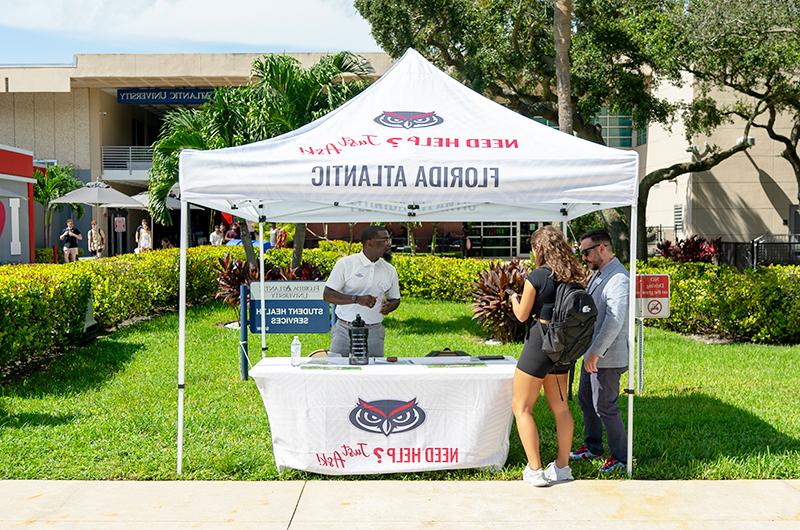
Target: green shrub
[759,305]
[45,255]
[135,285]
[343,248]
[438,278]
[41,307]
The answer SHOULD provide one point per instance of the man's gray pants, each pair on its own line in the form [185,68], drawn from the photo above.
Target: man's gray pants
[597,395]
[340,339]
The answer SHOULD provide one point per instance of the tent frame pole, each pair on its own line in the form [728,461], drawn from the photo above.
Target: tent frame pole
[631,333]
[261,283]
[182,328]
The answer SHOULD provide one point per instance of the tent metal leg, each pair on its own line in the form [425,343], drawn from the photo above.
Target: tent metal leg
[261,274]
[631,335]
[182,329]
[243,332]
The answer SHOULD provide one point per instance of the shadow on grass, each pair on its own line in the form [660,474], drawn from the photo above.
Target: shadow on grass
[694,428]
[421,326]
[33,419]
[78,370]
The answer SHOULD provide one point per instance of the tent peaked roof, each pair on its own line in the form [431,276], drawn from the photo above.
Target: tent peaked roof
[415,144]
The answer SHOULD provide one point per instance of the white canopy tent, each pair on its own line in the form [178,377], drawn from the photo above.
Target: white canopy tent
[415,146]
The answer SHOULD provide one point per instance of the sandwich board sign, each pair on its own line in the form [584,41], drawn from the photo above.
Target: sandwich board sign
[290,307]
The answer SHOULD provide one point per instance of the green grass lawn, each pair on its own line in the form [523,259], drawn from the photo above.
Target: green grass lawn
[108,411]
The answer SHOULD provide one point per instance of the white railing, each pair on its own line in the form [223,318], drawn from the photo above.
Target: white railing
[126,157]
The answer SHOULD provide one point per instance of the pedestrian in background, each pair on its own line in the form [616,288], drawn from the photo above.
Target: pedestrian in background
[217,236]
[70,236]
[144,238]
[97,240]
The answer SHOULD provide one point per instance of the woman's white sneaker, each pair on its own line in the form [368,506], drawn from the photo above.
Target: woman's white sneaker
[553,473]
[535,477]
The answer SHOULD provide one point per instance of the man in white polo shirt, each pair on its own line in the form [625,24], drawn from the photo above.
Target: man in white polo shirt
[363,284]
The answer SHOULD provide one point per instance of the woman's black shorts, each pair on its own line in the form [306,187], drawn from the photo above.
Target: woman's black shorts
[533,361]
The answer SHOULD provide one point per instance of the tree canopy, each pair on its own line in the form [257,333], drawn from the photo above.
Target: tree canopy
[751,49]
[621,51]
[505,50]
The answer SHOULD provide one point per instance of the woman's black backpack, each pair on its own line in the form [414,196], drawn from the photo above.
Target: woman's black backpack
[569,333]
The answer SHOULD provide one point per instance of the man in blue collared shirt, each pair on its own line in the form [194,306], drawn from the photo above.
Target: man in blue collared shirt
[607,357]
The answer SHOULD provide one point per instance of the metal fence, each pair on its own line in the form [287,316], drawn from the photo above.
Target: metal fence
[765,250]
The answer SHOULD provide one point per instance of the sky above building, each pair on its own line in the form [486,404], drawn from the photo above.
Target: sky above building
[53,31]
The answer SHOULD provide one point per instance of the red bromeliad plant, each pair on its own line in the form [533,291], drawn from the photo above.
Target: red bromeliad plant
[694,249]
[490,304]
[232,273]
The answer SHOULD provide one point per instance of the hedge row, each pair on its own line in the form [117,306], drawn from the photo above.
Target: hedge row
[758,305]
[424,276]
[42,307]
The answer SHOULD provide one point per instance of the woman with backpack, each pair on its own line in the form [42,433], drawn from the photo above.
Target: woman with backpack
[554,263]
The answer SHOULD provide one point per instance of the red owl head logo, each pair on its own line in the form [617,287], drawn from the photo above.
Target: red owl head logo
[408,119]
[387,416]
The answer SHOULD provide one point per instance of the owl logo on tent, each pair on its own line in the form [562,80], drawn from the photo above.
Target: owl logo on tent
[408,119]
[387,416]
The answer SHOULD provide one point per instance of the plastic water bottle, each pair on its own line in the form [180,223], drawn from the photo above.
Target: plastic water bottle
[296,350]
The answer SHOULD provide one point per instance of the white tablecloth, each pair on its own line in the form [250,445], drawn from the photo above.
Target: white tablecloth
[387,417]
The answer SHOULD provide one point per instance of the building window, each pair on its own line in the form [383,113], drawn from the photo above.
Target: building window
[677,215]
[617,129]
[641,136]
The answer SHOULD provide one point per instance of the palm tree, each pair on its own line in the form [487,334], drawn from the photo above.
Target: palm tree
[281,97]
[50,185]
[290,97]
[222,122]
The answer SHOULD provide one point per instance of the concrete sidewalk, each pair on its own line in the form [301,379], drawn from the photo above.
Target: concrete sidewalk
[595,504]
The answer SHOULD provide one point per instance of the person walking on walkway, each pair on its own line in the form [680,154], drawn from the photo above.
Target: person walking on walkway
[607,357]
[70,236]
[144,237]
[97,240]
[555,263]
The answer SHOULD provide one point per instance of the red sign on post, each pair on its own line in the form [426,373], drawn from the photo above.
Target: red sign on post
[652,295]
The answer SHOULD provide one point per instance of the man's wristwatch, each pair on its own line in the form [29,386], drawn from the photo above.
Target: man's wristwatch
[354,299]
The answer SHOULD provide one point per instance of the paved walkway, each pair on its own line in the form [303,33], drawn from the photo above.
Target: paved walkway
[377,505]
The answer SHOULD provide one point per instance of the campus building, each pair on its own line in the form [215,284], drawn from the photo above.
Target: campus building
[753,194]
[102,113]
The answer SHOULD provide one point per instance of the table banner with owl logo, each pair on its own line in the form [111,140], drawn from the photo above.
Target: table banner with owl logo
[418,414]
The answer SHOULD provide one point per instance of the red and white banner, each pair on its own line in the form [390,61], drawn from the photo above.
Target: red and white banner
[336,419]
